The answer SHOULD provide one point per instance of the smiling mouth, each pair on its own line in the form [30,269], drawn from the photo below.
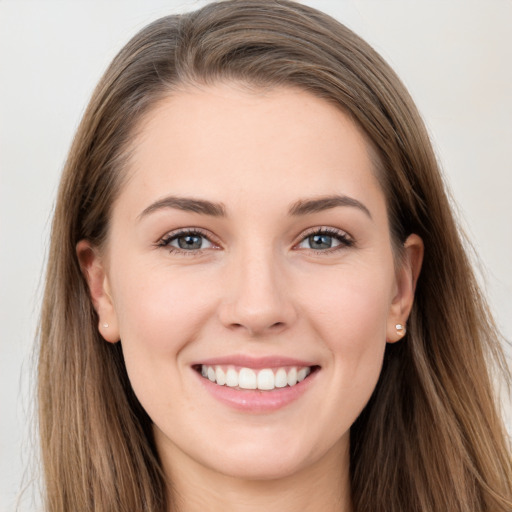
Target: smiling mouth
[264,379]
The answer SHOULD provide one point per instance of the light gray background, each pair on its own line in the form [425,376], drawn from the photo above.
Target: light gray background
[455,57]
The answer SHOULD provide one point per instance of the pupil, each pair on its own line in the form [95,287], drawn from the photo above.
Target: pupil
[320,241]
[190,242]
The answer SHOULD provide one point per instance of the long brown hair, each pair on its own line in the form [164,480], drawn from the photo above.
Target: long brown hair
[430,438]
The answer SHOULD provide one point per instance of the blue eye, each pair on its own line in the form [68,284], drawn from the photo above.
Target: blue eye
[189,242]
[186,241]
[322,240]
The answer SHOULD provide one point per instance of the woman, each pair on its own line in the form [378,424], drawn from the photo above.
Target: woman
[257,297]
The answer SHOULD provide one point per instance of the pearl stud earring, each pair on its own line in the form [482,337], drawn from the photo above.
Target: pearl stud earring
[106,326]
[400,329]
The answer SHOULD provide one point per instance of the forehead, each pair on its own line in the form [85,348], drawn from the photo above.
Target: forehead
[228,141]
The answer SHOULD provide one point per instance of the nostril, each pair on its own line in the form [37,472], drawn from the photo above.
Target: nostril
[257,330]
[256,315]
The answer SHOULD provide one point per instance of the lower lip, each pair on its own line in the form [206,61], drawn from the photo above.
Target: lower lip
[254,400]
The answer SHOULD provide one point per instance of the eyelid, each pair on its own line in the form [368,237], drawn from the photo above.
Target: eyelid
[345,238]
[165,240]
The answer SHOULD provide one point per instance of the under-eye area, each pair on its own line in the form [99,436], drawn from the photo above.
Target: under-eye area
[263,379]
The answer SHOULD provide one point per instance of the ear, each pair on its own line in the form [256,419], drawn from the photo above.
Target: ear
[406,279]
[94,271]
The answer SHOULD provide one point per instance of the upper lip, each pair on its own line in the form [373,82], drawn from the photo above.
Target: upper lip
[256,363]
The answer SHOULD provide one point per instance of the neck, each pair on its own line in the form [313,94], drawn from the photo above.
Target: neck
[323,485]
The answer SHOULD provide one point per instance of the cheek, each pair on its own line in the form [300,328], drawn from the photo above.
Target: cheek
[350,316]
[158,309]
[159,313]
[354,302]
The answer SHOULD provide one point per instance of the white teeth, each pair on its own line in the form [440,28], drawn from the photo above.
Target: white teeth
[302,374]
[292,377]
[266,380]
[247,378]
[232,378]
[220,376]
[281,379]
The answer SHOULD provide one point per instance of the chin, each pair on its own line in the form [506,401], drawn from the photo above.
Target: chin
[260,467]
[272,458]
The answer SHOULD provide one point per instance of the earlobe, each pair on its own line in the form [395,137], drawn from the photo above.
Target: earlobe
[95,274]
[406,279]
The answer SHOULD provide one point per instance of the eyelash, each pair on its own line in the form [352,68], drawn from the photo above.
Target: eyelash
[170,237]
[345,240]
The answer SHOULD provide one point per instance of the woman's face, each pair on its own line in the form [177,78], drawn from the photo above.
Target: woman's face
[248,250]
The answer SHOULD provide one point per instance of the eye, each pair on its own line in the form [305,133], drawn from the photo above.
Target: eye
[325,239]
[186,241]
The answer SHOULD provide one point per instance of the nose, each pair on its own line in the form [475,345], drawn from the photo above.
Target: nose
[257,298]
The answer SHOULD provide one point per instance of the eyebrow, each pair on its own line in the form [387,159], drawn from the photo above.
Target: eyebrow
[186,204]
[300,207]
[307,206]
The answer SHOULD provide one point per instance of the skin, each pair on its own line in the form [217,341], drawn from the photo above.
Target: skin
[257,287]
